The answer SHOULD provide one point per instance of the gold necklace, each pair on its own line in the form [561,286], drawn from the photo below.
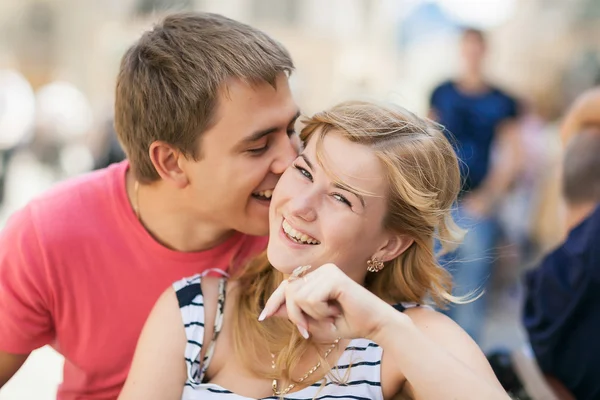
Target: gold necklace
[136,200]
[292,385]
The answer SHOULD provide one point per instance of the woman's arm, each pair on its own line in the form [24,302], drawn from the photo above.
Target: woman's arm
[158,370]
[436,357]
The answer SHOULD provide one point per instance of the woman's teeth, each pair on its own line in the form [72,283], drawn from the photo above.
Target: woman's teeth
[265,194]
[297,236]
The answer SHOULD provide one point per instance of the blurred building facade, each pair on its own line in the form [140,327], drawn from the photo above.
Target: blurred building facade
[341,47]
[544,51]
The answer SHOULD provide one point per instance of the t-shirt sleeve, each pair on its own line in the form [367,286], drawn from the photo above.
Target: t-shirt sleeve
[512,108]
[26,319]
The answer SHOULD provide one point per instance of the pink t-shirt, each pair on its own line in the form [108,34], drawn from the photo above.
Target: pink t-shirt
[79,272]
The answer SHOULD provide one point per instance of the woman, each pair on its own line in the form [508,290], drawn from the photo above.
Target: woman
[359,211]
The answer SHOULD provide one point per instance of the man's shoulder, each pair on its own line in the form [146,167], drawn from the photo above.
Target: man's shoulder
[78,193]
[443,95]
[444,87]
[574,260]
[585,238]
[58,212]
[90,182]
[503,94]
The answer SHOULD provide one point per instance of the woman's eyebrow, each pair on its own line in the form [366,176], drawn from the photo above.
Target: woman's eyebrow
[336,184]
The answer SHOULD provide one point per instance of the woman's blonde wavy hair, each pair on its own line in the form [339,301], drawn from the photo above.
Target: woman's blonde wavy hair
[424,181]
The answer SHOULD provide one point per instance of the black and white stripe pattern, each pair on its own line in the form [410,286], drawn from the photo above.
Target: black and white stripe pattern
[357,375]
[191,305]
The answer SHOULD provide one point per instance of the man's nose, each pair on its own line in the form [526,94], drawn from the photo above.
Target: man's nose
[287,152]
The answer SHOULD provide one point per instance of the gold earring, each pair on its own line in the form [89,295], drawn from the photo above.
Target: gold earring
[374,265]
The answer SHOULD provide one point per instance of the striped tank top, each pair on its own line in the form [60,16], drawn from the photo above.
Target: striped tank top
[359,367]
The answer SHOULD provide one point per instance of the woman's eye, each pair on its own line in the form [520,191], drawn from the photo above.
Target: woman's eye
[341,199]
[304,172]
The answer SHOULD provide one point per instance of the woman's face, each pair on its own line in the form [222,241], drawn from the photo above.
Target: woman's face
[314,221]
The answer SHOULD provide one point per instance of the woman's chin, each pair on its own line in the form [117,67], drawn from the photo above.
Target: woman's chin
[283,266]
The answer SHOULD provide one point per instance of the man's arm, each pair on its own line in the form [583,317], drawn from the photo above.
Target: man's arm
[506,161]
[9,365]
[585,111]
[25,315]
[505,169]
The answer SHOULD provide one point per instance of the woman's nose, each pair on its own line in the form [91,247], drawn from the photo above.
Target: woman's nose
[303,207]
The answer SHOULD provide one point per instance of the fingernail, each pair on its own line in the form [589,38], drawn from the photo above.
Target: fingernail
[262,315]
[303,332]
[333,328]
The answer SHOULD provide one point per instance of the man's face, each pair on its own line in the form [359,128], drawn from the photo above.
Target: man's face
[473,51]
[243,155]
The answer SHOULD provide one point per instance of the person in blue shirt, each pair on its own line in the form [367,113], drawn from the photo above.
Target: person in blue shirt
[562,299]
[481,119]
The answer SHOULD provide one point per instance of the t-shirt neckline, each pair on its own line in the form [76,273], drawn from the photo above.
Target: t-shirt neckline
[126,211]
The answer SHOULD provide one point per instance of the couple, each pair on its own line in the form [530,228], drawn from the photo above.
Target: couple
[204,112]
[358,210]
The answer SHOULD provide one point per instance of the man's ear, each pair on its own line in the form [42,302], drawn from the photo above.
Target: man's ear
[166,161]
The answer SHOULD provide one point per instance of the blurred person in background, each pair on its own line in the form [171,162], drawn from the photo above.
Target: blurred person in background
[17,111]
[482,119]
[62,125]
[206,117]
[520,209]
[563,294]
[111,150]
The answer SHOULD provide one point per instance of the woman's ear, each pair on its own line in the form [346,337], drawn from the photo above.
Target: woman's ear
[394,245]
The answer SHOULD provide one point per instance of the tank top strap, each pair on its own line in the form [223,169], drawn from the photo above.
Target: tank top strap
[406,305]
[191,305]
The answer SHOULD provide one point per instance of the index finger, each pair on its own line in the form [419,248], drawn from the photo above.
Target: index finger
[275,302]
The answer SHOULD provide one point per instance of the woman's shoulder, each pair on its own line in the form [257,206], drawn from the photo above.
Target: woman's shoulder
[439,328]
[191,291]
[422,314]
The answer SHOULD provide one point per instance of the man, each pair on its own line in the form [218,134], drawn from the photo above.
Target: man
[478,116]
[205,114]
[563,294]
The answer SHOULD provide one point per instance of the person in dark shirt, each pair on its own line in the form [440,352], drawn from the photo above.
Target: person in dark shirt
[562,303]
[479,117]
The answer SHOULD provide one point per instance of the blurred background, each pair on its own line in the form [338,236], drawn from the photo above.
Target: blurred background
[59,60]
